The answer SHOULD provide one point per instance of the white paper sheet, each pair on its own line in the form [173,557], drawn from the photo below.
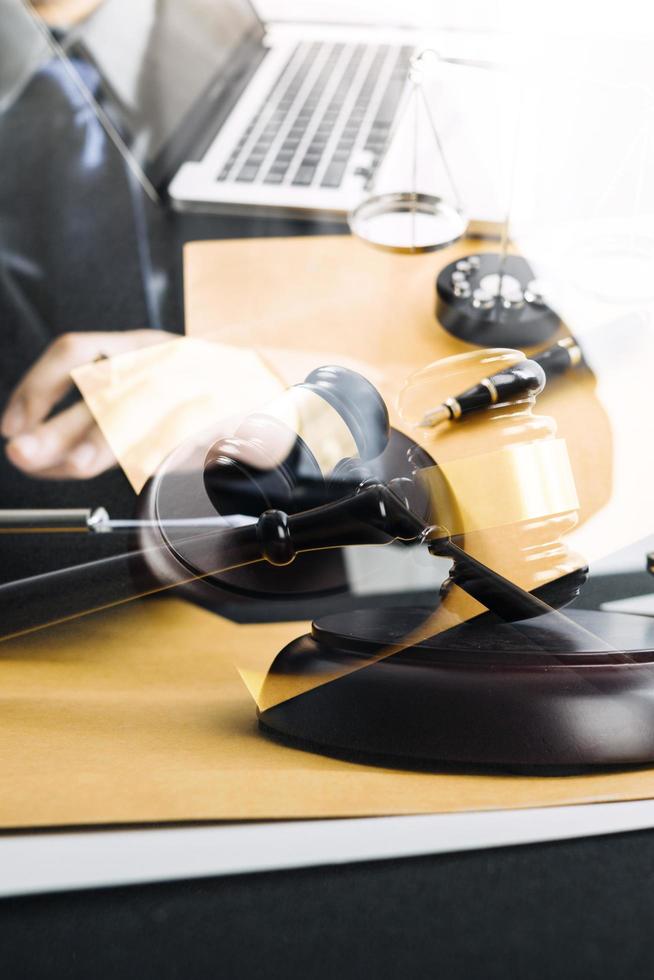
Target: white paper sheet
[42,862]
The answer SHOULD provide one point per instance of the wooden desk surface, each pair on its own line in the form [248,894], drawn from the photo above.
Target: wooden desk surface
[137,715]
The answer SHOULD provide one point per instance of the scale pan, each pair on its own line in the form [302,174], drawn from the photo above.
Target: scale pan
[406,222]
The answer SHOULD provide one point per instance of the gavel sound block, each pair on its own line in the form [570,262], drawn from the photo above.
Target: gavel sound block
[520,685]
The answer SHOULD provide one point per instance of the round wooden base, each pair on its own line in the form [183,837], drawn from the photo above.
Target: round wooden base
[561,692]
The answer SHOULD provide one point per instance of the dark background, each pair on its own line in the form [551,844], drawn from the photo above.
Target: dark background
[576,909]
[82,248]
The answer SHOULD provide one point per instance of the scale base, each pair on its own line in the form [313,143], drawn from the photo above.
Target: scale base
[516,318]
[533,696]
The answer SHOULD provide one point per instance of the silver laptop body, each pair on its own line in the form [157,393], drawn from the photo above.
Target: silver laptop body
[221,113]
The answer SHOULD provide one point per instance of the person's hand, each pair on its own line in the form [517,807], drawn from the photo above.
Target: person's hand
[64,13]
[69,445]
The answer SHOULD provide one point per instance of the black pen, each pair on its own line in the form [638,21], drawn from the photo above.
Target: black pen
[560,357]
[525,377]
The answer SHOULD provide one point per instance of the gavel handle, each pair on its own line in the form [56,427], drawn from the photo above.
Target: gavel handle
[42,600]
[500,595]
[375,515]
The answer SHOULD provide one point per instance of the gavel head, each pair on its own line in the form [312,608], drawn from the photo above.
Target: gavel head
[301,450]
[315,444]
[504,485]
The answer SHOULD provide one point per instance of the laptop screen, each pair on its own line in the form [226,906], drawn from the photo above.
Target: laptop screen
[163,64]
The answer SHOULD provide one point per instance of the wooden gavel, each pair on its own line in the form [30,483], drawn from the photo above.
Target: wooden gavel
[309,475]
[311,488]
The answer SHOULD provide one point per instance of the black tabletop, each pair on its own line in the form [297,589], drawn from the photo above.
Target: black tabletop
[573,909]
[82,248]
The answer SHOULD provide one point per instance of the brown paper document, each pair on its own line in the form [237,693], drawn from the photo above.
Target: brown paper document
[136,715]
[149,401]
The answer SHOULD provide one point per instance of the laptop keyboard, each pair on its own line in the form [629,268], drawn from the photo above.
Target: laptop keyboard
[328,102]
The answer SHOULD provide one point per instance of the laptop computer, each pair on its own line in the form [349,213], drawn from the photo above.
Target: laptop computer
[221,113]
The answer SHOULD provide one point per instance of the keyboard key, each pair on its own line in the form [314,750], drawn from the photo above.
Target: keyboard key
[305,175]
[388,105]
[333,176]
[247,173]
